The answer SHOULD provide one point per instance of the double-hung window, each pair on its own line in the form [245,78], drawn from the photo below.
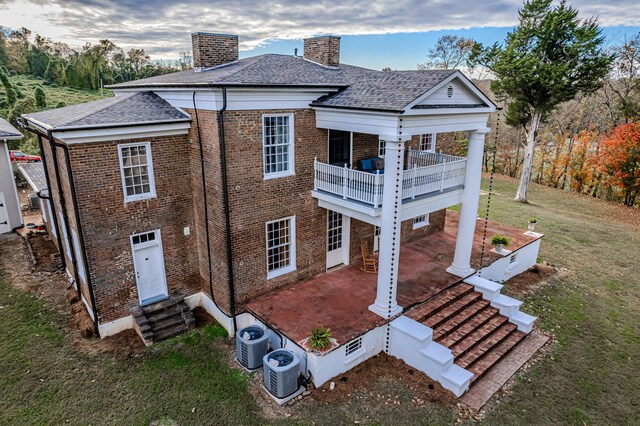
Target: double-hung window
[428,142]
[281,246]
[277,145]
[136,169]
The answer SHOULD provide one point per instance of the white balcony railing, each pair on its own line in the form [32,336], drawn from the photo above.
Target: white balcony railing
[417,181]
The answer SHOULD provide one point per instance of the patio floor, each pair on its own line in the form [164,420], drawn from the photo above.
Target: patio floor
[340,299]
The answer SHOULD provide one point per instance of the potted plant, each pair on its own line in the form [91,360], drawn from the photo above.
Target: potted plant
[320,338]
[532,223]
[500,242]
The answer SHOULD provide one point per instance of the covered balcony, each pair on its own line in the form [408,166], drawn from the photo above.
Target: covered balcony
[427,174]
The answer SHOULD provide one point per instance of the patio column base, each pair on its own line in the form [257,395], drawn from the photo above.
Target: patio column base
[461,272]
[383,311]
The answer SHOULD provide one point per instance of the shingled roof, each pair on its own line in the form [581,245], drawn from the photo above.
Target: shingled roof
[7,131]
[358,88]
[127,109]
[34,174]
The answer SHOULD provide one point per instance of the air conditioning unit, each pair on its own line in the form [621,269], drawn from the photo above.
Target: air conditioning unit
[34,202]
[281,371]
[252,343]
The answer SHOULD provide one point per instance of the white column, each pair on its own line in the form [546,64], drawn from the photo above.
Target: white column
[461,265]
[386,305]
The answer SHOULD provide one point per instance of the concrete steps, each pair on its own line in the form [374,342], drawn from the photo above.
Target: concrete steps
[163,320]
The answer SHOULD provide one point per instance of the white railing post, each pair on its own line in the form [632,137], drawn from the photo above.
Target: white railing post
[376,190]
[444,169]
[413,182]
[345,177]
[315,174]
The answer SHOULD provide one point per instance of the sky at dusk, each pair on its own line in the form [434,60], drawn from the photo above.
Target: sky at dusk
[375,34]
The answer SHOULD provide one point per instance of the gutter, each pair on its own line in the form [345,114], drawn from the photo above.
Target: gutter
[227,216]
[50,204]
[82,247]
[204,195]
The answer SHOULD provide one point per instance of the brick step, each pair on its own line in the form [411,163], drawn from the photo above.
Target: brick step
[478,335]
[159,306]
[439,302]
[487,344]
[469,326]
[459,319]
[170,332]
[164,314]
[167,323]
[484,364]
[453,309]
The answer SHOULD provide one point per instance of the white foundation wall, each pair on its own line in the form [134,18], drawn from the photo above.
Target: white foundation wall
[327,366]
[503,269]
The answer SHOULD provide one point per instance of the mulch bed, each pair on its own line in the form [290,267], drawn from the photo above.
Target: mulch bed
[202,317]
[44,249]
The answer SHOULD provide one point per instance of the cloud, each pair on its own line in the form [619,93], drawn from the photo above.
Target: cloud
[163,27]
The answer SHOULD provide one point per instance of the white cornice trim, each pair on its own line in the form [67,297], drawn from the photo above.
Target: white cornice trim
[122,133]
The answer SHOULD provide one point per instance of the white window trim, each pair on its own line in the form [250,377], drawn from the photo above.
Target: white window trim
[292,162]
[63,225]
[79,258]
[433,142]
[421,224]
[152,182]
[380,143]
[292,251]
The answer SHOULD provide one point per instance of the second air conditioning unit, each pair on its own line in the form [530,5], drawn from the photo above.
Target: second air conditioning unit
[252,343]
[281,372]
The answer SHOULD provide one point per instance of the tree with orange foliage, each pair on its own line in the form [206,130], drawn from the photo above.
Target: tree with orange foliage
[581,164]
[619,160]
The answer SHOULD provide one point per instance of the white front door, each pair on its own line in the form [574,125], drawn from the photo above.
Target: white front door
[337,239]
[148,262]
[4,215]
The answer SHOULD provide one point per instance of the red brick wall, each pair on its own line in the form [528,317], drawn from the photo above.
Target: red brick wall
[108,222]
[210,50]
[323,50]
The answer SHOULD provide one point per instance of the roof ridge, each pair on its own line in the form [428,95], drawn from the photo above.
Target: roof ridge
[248,63]
[113,100]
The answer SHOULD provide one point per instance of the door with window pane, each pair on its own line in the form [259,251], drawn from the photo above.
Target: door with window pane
[339,148]
[337,239]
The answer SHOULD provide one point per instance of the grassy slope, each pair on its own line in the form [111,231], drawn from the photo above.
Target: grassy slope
[54,93]
[592,376]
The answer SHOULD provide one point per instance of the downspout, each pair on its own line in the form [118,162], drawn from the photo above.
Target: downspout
[63,208]
[225,196]
[76,211]
[50,201]
[204,195]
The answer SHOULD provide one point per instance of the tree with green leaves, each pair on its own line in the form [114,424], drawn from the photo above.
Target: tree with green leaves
[550,57]
[9,91]
[40,97]
[450,52]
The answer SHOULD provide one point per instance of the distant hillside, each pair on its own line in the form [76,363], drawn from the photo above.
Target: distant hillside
[55,96]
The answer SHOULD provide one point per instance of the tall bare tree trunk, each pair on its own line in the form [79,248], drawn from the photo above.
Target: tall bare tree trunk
[527,162]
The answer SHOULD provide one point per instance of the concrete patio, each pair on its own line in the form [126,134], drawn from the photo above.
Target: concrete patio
[340,299]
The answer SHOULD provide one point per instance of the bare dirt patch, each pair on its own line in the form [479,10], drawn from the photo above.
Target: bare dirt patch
[202,317]
[45,252]
[531,279]
[383,366]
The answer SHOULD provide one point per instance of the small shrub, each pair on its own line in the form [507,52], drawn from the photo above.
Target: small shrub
[320,338]
[533,219]
[500,239]
[61,104]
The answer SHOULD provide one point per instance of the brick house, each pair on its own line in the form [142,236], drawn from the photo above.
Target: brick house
[228,185]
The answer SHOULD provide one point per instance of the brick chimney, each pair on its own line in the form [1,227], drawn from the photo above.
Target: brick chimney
[324,50]
[210,49]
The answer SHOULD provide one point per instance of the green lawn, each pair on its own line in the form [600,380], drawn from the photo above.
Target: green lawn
[592,375]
